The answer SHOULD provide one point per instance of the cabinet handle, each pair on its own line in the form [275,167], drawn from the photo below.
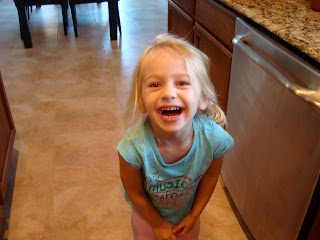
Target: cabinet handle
[306,94]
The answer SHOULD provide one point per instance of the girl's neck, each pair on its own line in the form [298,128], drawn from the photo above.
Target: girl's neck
[173,147]
[169,139]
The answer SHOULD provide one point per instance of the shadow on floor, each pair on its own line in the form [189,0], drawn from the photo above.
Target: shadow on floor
[6,208]
[238,216]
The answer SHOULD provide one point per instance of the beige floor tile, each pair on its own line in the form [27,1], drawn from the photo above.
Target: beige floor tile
[32,211]
[95,150]
[89,205]
[83,107]
[230,232]
[159,26]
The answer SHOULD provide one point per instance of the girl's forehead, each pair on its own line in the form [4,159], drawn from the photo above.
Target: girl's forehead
[154,60]
[164,55]
[165,64]
[160,53]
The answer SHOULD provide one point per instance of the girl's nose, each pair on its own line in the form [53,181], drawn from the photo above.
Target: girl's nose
[168,92]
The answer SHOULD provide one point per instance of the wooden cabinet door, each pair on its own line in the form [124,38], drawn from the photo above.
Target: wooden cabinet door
[180,23]
[221,62]
[187,5]
[7,134]
[217,19]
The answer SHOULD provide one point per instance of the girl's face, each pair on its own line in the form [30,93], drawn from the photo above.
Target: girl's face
[170,98]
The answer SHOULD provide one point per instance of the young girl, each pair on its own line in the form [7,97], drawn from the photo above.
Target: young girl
[171,159]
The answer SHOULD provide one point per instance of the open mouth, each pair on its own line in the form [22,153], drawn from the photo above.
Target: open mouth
[171,112]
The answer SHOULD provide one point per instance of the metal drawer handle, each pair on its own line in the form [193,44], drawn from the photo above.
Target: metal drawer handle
[306,94]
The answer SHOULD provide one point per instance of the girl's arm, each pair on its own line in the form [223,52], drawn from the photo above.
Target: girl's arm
[132,182]
[203,195]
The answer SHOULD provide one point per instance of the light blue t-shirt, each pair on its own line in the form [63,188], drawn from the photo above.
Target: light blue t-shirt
[172,187]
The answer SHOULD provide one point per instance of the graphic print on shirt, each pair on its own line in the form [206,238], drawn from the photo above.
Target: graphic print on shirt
[173,192]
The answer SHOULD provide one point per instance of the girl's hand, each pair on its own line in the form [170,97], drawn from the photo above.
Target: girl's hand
[185,225]
[164,231]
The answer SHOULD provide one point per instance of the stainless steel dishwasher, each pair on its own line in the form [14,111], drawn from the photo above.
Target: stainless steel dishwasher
[274,117]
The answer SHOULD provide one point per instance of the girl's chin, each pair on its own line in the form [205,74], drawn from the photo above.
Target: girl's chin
[170,127]
[170,119]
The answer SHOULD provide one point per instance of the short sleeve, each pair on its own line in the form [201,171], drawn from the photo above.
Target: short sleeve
[223,142]
[128,151]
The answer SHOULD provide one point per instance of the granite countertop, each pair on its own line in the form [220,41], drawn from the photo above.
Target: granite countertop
[291,20]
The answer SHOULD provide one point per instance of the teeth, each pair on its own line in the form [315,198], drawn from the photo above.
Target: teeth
[170,109]
[171,116]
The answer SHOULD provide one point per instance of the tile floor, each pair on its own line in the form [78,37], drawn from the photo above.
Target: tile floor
[67,95]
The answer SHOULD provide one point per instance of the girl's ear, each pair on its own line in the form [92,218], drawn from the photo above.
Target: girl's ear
[203,103]
[142,108]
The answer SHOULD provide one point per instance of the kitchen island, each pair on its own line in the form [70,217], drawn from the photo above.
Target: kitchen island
[275,181]
[277,191]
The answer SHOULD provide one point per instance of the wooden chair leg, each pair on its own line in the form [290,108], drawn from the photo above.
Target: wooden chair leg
[118,18]
[74,19]
[28,12]
[65,17]
[23,23]
[113,22]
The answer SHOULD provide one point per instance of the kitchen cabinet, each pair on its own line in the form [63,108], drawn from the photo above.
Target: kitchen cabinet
[180,23]
[221,62]
[186,5]
[214,30]
[218,20]
[7,134]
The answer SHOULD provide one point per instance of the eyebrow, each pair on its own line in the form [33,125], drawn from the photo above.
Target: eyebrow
[156,75]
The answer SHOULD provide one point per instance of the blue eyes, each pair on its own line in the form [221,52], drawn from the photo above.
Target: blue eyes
[182,83]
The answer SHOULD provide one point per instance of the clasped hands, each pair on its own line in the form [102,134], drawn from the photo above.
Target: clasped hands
[168,231]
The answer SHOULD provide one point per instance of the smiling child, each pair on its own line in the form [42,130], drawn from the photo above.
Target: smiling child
[170,160]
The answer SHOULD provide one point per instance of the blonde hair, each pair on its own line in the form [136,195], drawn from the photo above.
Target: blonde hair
[196,61]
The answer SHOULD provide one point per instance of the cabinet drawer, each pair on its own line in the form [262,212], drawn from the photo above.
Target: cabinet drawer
[180,23]
[218,20]
[187,5]
[221,62]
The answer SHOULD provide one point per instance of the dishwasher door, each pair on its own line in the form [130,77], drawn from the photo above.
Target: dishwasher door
[274,117]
